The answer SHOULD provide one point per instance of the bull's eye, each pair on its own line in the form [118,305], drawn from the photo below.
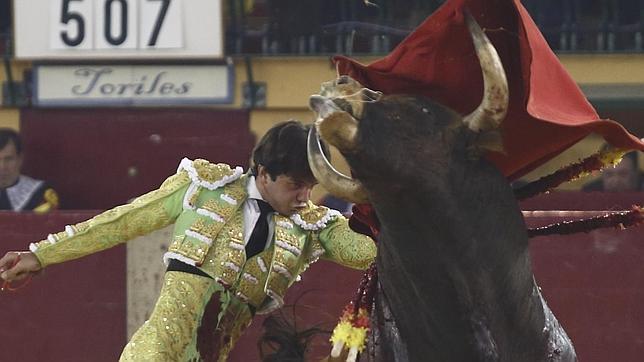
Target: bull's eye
[344,105]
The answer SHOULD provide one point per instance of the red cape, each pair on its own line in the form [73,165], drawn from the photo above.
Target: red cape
[548,112]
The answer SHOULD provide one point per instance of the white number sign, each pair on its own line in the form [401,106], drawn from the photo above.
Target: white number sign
[118,28]
[106,24]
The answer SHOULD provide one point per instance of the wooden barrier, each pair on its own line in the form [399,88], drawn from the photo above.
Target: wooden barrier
[82,311]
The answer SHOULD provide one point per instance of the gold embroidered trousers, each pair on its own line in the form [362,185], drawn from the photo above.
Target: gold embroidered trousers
[183,324]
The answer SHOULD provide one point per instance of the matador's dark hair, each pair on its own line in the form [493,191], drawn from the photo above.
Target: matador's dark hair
[8,135]
[282,151]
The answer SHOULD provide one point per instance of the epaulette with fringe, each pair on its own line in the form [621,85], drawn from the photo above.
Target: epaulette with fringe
[209,175]
[314,217]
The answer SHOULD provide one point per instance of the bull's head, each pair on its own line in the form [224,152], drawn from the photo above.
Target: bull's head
[383,135]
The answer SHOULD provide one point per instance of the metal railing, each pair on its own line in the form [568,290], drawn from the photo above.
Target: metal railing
[598,26]
[317,27]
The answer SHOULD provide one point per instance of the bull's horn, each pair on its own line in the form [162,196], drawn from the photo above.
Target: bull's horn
[332,180]
[491,112]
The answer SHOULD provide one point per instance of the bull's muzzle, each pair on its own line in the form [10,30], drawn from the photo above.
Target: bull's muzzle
[332,180]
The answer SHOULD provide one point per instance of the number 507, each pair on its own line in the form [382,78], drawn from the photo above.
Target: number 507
[121,24]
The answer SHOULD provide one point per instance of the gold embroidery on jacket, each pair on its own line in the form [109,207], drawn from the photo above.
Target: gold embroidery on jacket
[314,214]
[252,280]
[192,201]
[225,262]
[219,207]
[144,214]
[210,229]
[211,172]
[289,244]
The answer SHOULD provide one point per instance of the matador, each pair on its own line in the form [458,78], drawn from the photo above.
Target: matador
[240,240]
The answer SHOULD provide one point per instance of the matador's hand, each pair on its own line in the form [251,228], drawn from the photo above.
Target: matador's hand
[18,265]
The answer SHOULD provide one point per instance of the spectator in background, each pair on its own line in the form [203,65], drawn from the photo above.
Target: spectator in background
[625,176]
[19,192]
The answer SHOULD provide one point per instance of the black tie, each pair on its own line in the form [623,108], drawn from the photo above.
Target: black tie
[4,200]
[258,237]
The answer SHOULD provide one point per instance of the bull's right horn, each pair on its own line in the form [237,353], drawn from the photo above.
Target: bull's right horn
[494,106]
[333,181]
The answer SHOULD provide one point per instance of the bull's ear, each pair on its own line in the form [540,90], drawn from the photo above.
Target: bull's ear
[371,95]
[486,141]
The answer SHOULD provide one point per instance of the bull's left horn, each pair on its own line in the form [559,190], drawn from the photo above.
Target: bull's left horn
[494,106]
[332,180]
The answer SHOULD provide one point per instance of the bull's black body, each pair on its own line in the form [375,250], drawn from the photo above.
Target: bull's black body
[456,282]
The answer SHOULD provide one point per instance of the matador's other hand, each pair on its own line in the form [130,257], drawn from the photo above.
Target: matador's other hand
[17,265]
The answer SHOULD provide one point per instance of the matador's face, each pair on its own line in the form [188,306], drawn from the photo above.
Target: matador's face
[285,194]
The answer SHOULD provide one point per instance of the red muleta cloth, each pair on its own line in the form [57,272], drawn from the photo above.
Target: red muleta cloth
[547,114]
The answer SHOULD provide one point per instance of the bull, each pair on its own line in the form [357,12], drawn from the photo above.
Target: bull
[455,277]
